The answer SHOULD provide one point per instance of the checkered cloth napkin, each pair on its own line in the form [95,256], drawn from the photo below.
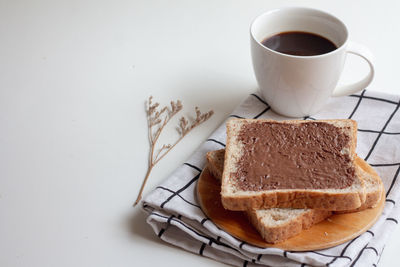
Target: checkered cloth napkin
[176,217]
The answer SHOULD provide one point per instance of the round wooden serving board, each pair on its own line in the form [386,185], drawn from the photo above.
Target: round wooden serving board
[333,231]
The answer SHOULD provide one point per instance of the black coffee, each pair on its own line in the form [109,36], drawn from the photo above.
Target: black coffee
[299,43]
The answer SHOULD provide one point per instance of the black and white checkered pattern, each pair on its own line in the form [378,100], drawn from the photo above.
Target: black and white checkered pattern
[177,218]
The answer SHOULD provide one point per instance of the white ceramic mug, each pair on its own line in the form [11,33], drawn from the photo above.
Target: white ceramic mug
[298,86]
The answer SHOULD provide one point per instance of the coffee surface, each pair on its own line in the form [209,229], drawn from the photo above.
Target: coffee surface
[293,156]
[299,43]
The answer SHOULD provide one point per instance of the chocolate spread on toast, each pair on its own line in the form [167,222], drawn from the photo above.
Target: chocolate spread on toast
[293,156]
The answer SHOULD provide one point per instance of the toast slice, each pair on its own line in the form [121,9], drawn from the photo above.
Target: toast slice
[278,224]
[291,164]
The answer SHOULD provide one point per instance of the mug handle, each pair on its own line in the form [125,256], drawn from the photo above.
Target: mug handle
[363,52]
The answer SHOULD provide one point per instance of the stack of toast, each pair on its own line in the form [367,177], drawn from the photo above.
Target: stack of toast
[289,175]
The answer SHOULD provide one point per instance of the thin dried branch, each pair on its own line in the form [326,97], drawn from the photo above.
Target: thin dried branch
[184,127]
[164,147]
[159,118]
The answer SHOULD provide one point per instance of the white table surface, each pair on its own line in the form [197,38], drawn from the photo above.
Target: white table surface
[74,76]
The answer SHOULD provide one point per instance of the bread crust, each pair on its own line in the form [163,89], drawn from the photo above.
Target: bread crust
[214,165]
[282,232]
[295,198]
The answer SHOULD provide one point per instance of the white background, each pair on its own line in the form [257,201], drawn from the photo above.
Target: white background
[74,76]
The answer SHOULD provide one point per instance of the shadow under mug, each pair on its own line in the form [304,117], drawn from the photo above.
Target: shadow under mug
[298,86]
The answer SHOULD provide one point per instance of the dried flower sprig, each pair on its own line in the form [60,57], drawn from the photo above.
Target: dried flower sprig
[156,120]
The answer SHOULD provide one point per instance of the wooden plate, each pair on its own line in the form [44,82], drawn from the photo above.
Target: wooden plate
[334,231]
